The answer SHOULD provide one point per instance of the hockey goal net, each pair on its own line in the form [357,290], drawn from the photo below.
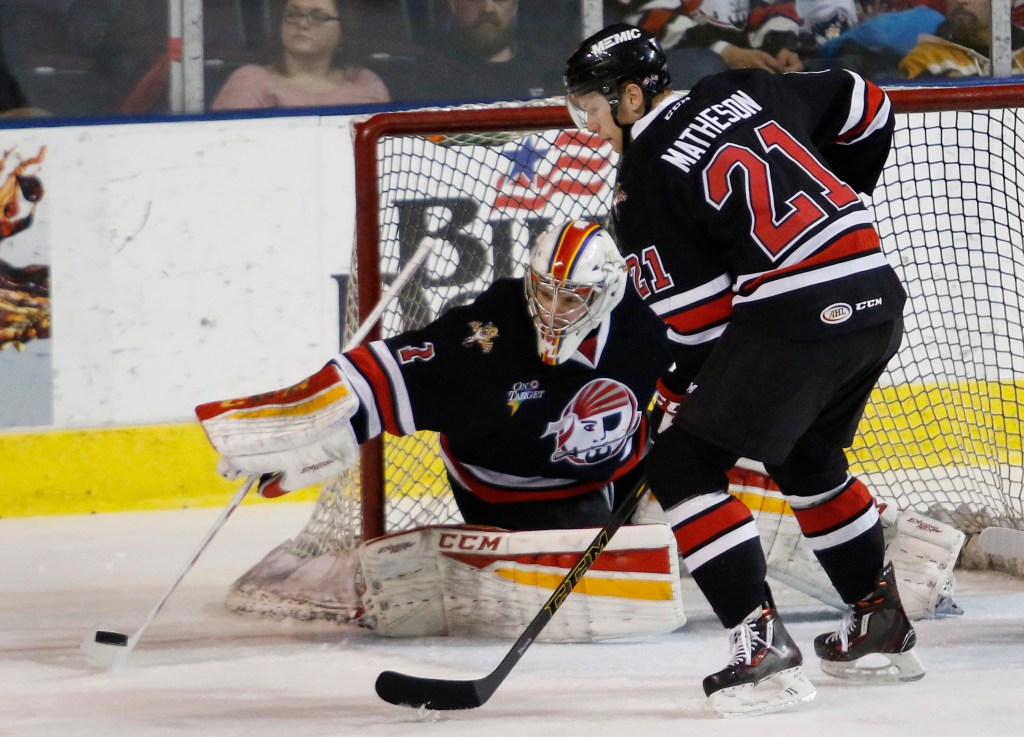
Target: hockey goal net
[461,194]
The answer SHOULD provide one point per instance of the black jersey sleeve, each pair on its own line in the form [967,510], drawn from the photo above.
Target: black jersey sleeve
[428,379]
[849,118]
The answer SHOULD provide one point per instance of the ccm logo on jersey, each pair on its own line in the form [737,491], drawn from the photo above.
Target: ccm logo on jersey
[606,43]
[841,312]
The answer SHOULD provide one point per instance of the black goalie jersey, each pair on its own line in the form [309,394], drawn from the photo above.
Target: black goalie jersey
[512,428]
[740,201]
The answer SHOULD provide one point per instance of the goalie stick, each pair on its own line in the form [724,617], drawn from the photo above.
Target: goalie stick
[443,694]
[112,649]
[120,646]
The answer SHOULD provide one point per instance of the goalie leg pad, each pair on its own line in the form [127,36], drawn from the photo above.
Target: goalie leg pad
[488,582]
[923,552]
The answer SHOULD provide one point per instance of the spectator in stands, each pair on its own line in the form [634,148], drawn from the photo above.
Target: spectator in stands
[961,46]
[125,39]
[311,69]
[887,31]
[11,96]
[710,36]
[13,103]
[477,54]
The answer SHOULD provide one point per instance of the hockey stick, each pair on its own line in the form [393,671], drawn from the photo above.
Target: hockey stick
[442,694]
[385,299]
[112,649]
[123,645]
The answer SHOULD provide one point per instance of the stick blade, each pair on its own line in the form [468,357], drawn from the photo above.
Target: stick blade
[431,693]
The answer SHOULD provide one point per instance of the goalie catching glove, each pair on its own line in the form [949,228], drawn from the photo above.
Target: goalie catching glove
[292,438]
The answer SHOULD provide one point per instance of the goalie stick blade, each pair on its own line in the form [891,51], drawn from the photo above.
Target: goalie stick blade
[443,695]
[432,693]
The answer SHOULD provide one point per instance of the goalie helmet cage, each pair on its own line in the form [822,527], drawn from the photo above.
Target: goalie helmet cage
[942,434]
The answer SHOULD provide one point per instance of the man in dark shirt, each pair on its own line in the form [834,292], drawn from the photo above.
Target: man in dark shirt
[477,54]
[11,97]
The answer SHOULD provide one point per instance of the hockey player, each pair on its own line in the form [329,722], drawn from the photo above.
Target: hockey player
[737,208]
[538,389]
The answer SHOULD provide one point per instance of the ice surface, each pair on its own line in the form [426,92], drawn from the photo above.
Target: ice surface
[201,671]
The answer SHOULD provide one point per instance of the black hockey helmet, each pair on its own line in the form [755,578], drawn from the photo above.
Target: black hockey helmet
[616,54]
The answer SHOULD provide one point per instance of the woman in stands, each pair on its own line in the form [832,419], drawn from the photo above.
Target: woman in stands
[310,71]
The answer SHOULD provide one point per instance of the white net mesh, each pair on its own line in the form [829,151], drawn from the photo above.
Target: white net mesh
[942,434]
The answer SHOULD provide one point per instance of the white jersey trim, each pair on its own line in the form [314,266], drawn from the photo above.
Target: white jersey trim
[501,480]
[850,221]
[807,502]
[365,394]
[721,545]
[681,301]
[403,405]
[704,336]
[822,275]
[641,125]
[858,111]
[845,533]
[602,339]
[691,508]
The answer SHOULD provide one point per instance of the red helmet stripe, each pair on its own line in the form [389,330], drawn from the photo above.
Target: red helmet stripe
[571,242]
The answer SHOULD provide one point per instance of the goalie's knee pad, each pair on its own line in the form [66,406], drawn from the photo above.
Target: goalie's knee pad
[490,582]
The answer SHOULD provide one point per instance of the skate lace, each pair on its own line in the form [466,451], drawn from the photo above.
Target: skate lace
[846,628]
[742,641]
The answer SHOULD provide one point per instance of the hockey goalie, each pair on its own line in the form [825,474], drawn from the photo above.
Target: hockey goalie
[538,390]
[533,472]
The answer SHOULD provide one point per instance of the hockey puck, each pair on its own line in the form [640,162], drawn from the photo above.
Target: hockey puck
[111,638]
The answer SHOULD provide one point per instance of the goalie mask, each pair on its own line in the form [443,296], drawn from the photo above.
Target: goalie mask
[614,55]
[576,279]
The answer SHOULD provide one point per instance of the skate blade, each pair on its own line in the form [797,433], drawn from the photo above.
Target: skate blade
[900,668]
[784,689]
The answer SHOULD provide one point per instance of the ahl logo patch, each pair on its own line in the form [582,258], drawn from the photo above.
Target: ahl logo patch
[836,313]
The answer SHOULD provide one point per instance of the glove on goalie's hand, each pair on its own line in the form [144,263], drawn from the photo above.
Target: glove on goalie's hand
[293,437]
[269,484]
[666,404]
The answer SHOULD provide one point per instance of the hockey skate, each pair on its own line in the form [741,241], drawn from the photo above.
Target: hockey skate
[875,642]
[763,674]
